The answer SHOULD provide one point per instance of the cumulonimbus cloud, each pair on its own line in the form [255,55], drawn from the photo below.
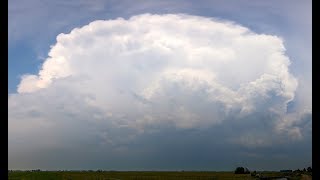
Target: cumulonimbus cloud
[153,70]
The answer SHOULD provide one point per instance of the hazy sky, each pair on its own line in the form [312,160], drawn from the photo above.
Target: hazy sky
[160,85]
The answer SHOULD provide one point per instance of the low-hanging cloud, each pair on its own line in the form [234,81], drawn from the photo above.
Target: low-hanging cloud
[116,80]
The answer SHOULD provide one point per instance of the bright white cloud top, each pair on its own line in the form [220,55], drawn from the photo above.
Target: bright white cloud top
[154,71]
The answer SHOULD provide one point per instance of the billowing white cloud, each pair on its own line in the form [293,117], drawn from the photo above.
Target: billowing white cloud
[128,76]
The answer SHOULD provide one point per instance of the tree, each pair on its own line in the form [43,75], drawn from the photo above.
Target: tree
[242,170]
[239,170]
[246,171]
[309,169]
[297,170]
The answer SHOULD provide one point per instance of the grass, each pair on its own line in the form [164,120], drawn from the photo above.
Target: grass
[139,175]
[133,175]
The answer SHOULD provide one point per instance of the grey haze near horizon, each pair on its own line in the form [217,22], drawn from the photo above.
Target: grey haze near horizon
[171,148]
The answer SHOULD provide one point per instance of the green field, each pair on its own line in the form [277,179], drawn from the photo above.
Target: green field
[133,175]
[128,175]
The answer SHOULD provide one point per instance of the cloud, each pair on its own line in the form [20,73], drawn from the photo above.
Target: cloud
[114,81]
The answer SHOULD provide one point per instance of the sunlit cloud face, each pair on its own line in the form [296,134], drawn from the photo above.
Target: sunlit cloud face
[117,80]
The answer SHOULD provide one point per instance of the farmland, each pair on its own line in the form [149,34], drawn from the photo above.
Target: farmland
[137,175]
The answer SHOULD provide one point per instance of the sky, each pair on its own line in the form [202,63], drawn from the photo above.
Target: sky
[159,85]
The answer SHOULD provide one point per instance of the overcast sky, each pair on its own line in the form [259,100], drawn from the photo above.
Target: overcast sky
[160,85]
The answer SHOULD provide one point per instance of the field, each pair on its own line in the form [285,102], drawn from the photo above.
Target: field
[128,175]
[133,175]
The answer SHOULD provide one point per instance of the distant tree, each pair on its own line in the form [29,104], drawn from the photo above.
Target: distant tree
[246,171]
[304,170]
[239,170]
[309,169]
[286,170]
[297,170]
[242,170]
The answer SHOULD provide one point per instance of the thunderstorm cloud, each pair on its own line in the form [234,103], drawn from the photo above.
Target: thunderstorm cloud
[114,82]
